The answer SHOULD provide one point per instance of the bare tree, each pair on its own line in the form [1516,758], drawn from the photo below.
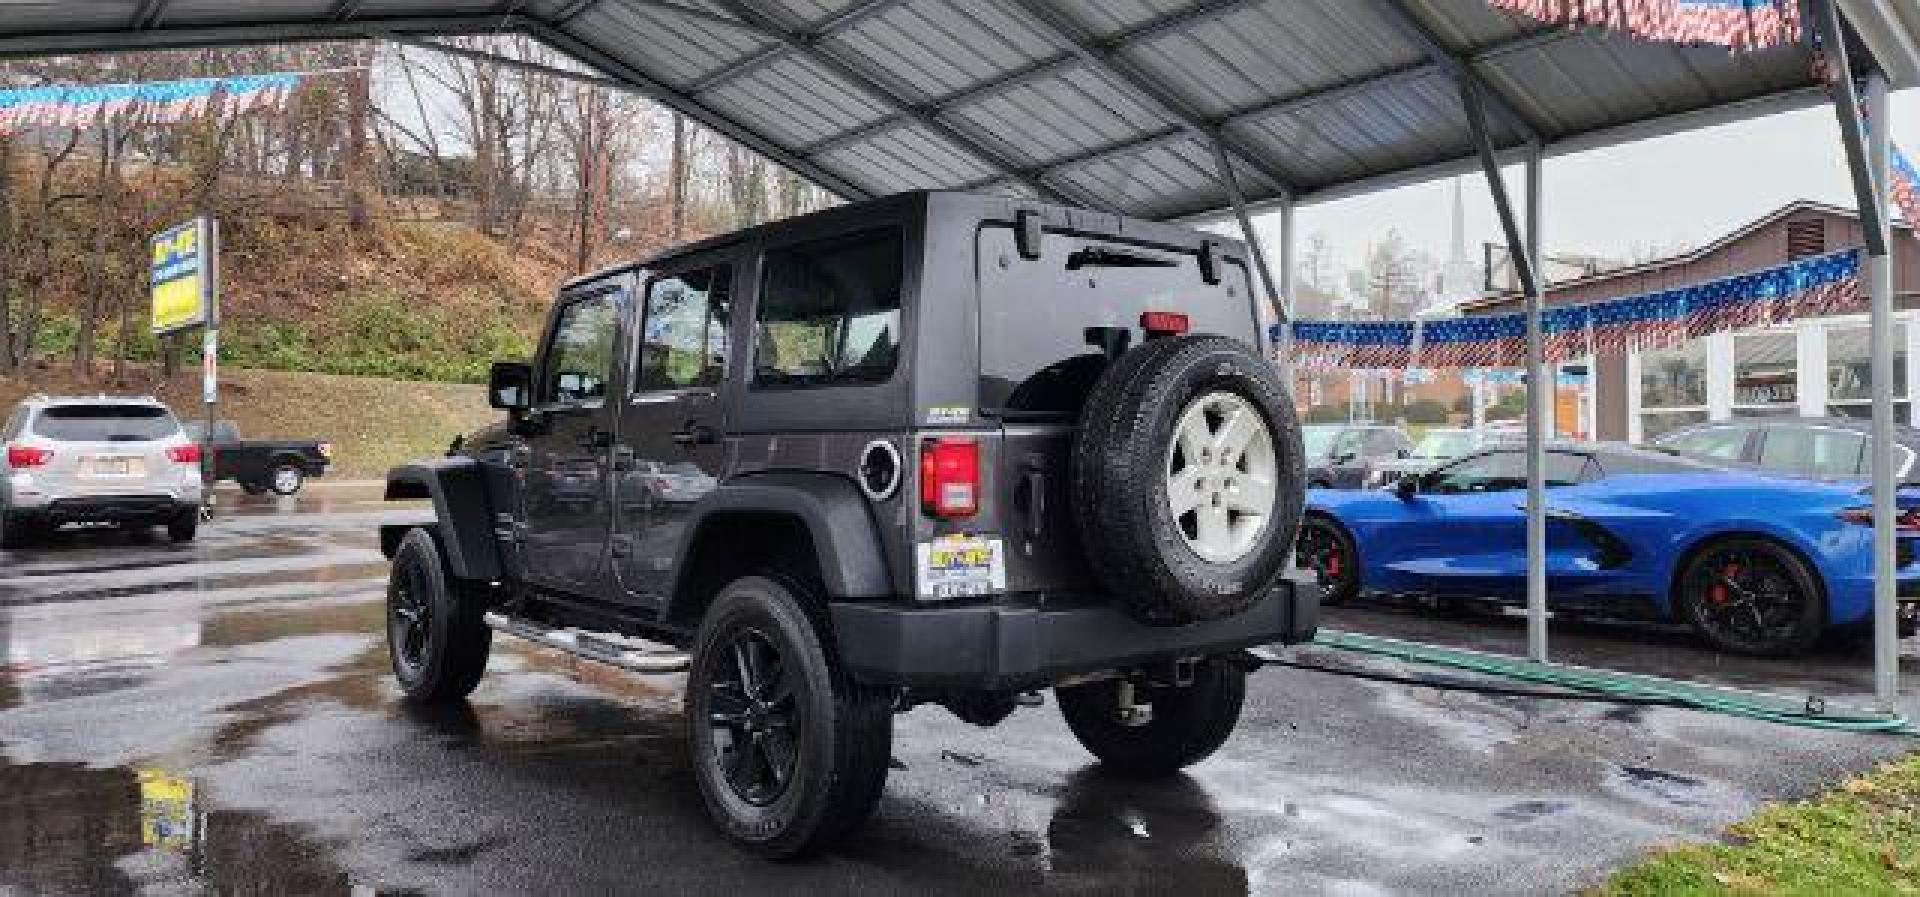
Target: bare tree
[746,185]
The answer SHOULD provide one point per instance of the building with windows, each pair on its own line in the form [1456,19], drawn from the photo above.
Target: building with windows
[1814,366]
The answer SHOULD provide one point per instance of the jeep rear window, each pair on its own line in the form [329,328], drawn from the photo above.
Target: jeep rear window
[829,311]
[1037,356]
[105,423]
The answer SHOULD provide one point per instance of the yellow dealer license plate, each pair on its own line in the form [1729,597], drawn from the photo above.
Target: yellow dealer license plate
[961,567]
[92,466]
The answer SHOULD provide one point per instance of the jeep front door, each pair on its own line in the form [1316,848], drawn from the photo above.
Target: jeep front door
[565,497]
[668,455]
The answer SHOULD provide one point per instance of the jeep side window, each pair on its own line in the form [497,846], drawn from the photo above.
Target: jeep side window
[830,311]
[580,357]
[684,340]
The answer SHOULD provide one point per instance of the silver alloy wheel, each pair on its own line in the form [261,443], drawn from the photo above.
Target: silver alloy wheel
[286,480]
[1221,476]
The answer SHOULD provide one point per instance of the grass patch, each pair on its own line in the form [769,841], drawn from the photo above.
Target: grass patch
[1861,838]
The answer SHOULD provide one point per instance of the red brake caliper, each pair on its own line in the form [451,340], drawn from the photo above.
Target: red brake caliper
[1718,594]
[1333,562]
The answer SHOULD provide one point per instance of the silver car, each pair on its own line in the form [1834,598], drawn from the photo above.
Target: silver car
[122,461]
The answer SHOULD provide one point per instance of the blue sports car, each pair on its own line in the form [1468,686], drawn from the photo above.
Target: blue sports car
[1757,564]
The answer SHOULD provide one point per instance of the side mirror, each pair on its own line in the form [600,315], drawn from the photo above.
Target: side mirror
[1345,457]
[510,385]
[1403,453]
[1406,488]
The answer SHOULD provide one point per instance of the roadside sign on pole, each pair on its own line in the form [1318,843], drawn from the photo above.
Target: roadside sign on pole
[182,277]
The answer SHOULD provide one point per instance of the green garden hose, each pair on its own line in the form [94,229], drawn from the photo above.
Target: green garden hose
[1814,712]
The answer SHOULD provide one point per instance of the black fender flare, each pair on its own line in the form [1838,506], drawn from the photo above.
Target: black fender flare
[462,509]
[846,542]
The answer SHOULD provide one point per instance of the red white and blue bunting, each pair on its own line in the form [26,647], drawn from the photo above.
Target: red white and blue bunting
[1738,24]
[153,102]
[1821,285]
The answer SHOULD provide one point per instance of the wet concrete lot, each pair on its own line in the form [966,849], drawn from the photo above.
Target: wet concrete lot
[219,718]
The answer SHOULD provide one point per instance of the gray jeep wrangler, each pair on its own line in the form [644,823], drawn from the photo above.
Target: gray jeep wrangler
[933,448]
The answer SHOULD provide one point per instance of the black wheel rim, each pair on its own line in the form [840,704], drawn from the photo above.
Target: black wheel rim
[755,716]
[410,616]
[1319,549]
[1747,596]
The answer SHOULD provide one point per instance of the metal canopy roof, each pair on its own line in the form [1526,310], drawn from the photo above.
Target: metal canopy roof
[1101,103]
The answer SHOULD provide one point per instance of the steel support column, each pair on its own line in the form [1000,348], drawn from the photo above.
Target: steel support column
[1540,421]
[1521,247]
[1231,183]
[1866,141]
[1879,283]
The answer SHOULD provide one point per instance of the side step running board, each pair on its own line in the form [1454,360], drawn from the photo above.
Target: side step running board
[630,654]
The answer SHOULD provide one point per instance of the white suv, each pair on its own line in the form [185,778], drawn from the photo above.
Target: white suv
[103,459]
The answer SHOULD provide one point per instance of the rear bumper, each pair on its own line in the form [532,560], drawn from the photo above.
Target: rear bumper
[1024,644]
[112,509]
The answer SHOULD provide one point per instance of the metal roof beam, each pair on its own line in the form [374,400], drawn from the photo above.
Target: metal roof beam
[810,47]
[788,41]
[345,10]
[690,106]
[1301,101]
[148,14]
[1050,67]
[1423,37]
[1116,70]
[572,11]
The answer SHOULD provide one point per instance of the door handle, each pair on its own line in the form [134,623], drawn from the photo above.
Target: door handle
[695,434]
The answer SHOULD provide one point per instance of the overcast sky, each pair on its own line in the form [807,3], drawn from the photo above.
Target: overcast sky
[1684,189]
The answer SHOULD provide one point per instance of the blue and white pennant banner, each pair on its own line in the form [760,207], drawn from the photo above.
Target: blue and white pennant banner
[153,102]
[1815,286]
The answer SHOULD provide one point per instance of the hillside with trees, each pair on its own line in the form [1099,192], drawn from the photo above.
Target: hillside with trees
[406,214]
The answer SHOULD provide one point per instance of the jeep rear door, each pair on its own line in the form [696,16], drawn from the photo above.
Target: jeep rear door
[565,499]
[668,454]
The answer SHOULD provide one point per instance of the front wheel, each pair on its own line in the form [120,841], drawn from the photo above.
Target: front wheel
[1185,724]
[789,752]
[1325,548]
[286,479]
[435,635]
[1751,596]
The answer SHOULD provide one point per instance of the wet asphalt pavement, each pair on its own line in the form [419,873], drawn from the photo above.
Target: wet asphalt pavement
[219,718]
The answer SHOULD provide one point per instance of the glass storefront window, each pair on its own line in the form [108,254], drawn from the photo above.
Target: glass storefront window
[1850,371]
[1673,388]
[1674,378]
[1765,373]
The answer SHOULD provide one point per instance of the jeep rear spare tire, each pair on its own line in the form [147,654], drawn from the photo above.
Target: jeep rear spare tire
[1187,479]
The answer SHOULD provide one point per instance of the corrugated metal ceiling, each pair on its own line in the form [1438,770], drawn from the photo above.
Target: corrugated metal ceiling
[1101,103]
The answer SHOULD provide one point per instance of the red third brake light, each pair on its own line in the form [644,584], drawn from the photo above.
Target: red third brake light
[950,477]
[184,454]
[1163,323]
[19,456]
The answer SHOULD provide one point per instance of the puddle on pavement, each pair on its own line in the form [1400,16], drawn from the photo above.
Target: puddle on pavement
[69,829]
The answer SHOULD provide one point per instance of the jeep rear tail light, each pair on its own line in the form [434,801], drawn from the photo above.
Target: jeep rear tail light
[326,450]
[950,477]
[19,456]
[1163,323]
[184,454]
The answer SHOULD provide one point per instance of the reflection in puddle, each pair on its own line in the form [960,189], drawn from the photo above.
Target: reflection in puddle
[68,829]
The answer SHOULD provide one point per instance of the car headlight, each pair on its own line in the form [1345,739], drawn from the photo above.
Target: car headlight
[1376,477]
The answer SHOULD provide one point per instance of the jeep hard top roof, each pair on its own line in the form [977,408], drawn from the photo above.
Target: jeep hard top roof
[977,206]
